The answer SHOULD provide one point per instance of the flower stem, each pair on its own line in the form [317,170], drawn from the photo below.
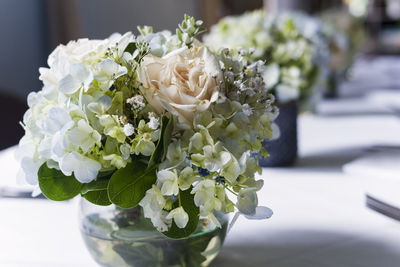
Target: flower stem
[230,190]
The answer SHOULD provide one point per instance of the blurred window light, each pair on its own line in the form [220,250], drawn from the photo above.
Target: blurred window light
[393,9]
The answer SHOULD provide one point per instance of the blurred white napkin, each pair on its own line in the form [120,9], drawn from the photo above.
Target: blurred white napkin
[381,171]
[386,99]
[372,74]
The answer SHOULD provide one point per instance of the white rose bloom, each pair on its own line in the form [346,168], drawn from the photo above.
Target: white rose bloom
[180,217]
[184,82]
[79,51]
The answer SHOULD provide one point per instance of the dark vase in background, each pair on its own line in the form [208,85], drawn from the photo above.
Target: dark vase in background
[283,150]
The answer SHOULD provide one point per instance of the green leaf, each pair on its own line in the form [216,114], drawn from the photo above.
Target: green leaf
[167,136]
[117,104]
[162,145]
[57,186]
[131,47]
[195,247]
[140,254]
[98,197]
[187,202]
[111,146]
[100,183]
[128,185]
[179,34]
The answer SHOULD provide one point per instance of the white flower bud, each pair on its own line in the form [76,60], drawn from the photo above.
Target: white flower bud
[129,129]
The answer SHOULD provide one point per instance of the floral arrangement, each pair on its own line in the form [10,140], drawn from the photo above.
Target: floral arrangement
[345,36]
[288,43]
[156,120]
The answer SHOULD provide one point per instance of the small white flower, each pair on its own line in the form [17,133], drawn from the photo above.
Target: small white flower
[215,157]
[203,191]
[84,136]
[247,110]
[247,200]
[180,217]
[160,221]
[154,122]
[186,178]
[175,155]
[210,221]
[58,120]
[79,76]
[107,71]
[137,102]
[129,129]
[153,201]
[125,151]
[101,105]
[168,181]
[153,204]
[84,168]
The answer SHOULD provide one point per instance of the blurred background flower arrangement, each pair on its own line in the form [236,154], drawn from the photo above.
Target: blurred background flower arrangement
[346,37]
[296,57]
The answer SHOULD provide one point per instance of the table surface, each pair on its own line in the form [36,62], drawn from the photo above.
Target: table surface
[320,218]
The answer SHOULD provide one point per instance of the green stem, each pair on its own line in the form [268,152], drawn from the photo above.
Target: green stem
[182,260]
[230,190]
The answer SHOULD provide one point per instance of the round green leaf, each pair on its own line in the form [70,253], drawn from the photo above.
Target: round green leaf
[98,197]
[187,201]
[128,185]
[100,183]
[57,186]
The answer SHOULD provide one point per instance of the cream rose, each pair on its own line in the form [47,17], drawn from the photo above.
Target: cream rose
[184,82]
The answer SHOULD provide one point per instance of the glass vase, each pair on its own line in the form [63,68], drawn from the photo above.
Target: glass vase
[123,237]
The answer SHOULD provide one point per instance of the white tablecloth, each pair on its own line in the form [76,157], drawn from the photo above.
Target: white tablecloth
[320,218]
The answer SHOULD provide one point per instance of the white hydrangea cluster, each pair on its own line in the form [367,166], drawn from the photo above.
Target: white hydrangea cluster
[105,104]
[290,43]
[77,123]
